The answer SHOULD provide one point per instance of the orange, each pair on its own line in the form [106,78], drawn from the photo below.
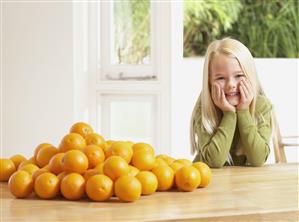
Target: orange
[105,148]
[185,162]
[61,176]
[130,143]
[45,154]
[30,168]
[122,149]
[91,172]
[95,155]
[100,167]
[176,166]
[144,147]
[74,161]
[148,181]
[7,168]
[165,176]
[109,143]
[133,171]
[115,166]
[166,158]
[17,159]
[205,173]
[39,172]
[72,186]
[37,149]
[160,161]
[46,186]
[55,165]
[32,160]
[81,128]
[143,160]
[162,156]
[46,167]
[72,141]
[99,188]
[108,152]
[127,188]
[187,178]
[95,139]
[25,162]
[20,184]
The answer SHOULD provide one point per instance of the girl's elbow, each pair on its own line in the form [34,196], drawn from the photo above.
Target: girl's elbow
[257,162]
[215,159]
[216,163]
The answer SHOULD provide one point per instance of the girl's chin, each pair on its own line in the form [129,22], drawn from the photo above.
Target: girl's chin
[233,102]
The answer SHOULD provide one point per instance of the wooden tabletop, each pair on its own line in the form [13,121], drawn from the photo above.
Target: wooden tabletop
[268,193]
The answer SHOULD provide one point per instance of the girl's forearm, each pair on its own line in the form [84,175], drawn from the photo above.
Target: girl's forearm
[255,138]
[215,148]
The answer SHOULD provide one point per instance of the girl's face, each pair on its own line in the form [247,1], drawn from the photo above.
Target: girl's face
[227,73]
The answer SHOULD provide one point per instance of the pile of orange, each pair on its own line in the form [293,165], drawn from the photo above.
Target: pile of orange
[85,164]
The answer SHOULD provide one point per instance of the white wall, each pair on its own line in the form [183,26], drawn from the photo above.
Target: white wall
[37,75]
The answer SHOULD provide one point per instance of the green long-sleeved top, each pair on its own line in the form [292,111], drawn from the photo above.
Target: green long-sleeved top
[237,134]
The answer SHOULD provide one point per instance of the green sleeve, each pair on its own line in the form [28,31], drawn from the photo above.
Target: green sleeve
[214,149]
[255,136]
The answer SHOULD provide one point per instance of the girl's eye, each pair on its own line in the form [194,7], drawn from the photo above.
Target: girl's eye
[219,78]
[240,75]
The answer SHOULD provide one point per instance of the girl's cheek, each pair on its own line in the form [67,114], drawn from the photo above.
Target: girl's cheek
[239,84]
[221,84]
[240,80]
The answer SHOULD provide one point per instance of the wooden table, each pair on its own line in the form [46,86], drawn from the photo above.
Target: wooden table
[268,193]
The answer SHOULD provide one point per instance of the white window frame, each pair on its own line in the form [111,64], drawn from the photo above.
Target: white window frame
[105,68]
[85,105]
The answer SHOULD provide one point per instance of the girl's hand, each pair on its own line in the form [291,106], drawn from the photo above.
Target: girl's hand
[247,94]
[220,100]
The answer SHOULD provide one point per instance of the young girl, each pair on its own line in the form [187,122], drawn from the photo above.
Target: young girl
[231,121]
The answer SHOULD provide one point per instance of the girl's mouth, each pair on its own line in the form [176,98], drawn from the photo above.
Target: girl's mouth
[232,94]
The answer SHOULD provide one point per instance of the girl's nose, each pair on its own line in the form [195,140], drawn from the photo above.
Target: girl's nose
[232,84]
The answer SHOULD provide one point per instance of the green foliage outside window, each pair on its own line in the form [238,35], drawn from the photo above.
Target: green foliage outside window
[131,31]
[269,28]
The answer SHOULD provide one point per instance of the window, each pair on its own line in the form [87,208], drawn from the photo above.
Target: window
[131,42]
[127,44]
[128,71]
[267,28]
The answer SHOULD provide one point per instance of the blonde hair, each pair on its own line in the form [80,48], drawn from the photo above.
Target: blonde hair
[210,114]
